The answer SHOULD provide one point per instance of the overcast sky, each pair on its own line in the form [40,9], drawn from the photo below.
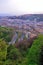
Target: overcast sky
[18,7]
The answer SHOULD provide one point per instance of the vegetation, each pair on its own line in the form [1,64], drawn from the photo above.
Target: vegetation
[3,50]
[41,56]
[21,55]
[6,33]
[34,52]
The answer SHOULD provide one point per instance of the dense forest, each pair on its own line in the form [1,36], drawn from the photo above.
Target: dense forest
[12,55]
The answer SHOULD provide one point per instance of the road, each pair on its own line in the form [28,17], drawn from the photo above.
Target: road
[22,37]
[14,38]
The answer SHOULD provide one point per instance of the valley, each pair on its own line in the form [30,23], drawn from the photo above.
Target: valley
[28,28]
[21,39]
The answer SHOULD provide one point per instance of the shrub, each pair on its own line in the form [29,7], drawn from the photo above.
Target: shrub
[3,49]
[41,56]
[13,53]
[34,52]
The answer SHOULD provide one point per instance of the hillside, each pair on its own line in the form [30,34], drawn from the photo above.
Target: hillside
[21,40]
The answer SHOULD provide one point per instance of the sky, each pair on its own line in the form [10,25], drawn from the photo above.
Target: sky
[19,7]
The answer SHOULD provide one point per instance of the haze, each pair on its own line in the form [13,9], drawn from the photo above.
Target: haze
[19,7]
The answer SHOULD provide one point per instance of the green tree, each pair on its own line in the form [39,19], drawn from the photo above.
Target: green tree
[9,62]
[1,63]
[3,49]
[41,56]
[13,53]
[34,52]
